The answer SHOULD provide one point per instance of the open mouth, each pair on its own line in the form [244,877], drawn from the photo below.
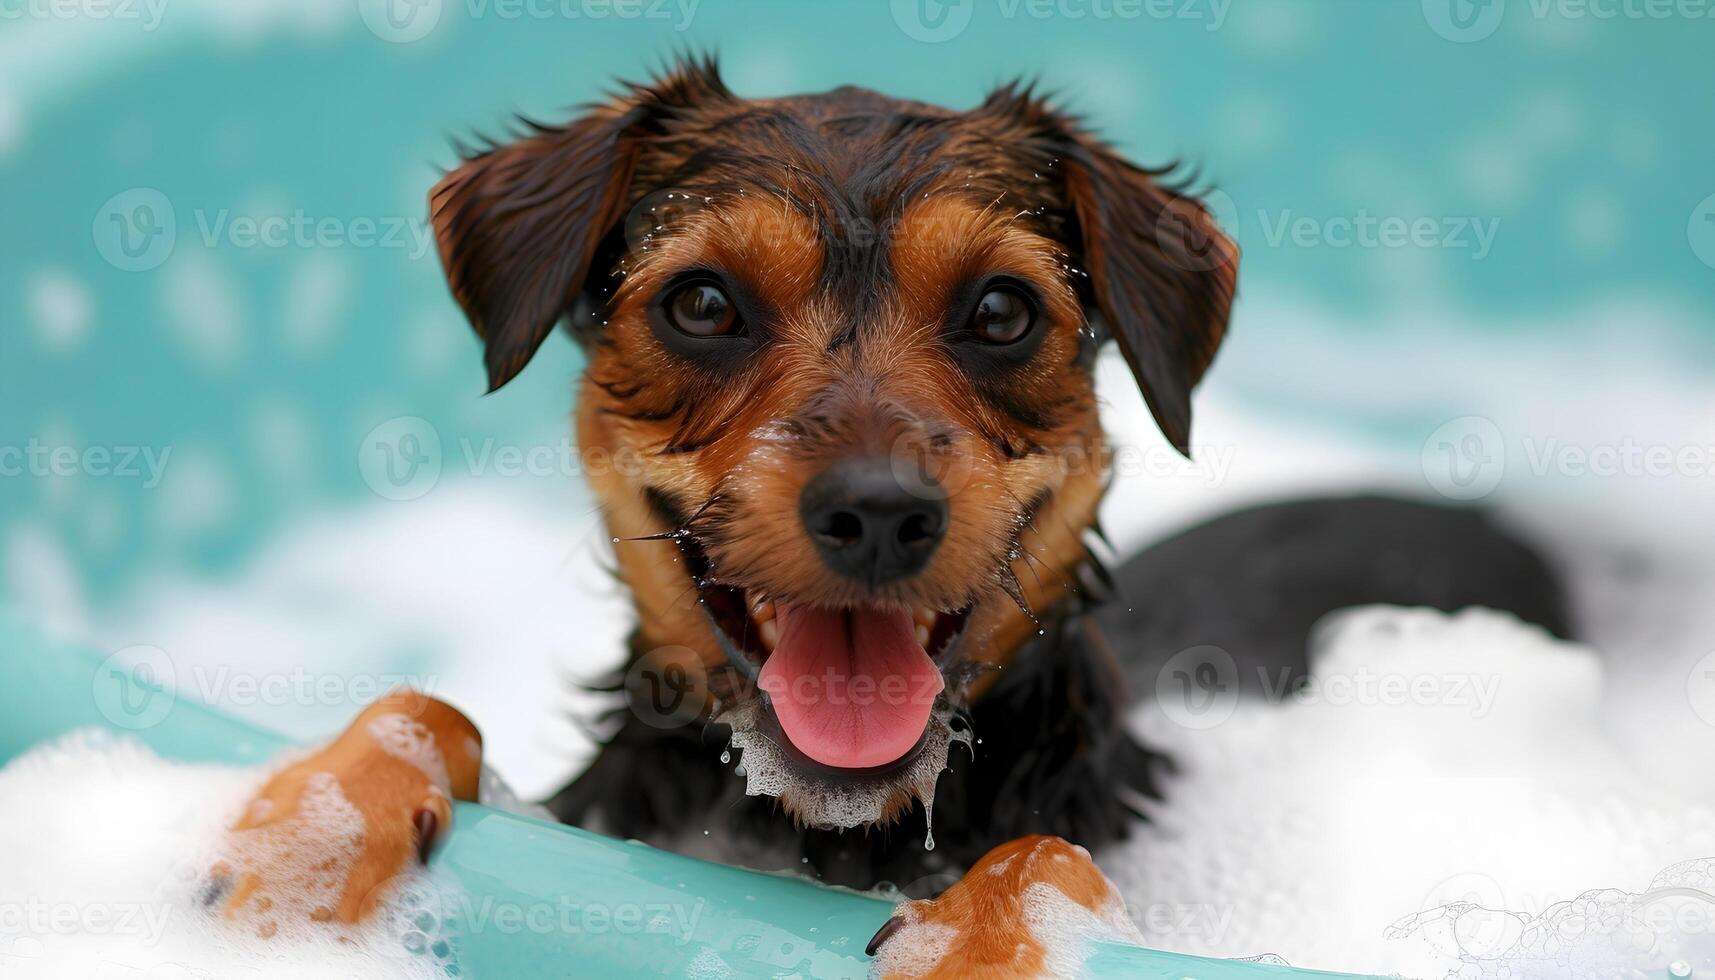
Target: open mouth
[852,689]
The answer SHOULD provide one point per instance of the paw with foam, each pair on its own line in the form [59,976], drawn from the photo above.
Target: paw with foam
[1030,908]
[332,834]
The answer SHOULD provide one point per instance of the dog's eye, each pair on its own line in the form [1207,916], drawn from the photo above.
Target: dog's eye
[1003,316]
[701,309]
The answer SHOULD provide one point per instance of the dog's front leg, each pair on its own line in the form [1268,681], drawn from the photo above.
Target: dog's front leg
[1022,911]
[342,823]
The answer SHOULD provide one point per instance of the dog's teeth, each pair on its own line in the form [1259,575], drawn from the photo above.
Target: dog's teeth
[923,636]
[762,610]
[924,616]
[769,631]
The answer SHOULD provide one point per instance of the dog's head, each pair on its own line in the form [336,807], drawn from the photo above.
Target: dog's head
[840,353]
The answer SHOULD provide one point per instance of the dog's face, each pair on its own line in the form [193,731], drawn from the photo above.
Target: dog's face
[843,345]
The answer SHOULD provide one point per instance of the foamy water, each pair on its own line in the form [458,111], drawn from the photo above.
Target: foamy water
[106,848]
[1447,797]
[1326,831]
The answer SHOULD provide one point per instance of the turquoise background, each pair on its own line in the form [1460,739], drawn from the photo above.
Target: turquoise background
[1587,139]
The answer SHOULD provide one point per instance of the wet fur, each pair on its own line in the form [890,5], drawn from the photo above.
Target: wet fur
[851,227]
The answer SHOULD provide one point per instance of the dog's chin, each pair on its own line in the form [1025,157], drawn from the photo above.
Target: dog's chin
[860,755]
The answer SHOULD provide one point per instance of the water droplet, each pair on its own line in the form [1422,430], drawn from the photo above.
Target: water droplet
[1679,969]
[726,757]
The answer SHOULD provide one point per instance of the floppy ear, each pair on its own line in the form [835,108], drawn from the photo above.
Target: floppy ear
[1162,274]
[519,225]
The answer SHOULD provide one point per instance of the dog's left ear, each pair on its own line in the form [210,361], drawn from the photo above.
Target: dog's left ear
[1162,273]
[519,225]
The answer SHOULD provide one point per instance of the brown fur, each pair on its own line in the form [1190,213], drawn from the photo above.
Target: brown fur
[854,226]
[985,911]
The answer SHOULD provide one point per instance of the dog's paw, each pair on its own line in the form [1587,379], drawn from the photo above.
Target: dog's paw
[1027,909]
[329,835]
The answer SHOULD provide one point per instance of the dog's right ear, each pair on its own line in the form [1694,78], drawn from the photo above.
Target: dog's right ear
[519,224]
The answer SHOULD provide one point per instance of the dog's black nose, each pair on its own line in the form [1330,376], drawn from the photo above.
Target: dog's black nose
[870,524]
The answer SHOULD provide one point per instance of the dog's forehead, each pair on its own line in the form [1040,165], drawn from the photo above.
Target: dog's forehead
[851,158]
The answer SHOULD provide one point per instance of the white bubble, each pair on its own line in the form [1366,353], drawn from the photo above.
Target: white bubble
[204,310]
[60,307]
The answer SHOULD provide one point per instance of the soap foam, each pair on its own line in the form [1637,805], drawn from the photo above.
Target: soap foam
[819,801]
[107,849]
[1319,829]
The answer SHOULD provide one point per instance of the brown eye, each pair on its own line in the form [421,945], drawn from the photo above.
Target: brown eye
[701,309]
[1003,316]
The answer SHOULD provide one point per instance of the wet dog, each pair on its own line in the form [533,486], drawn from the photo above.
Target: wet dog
[840,355]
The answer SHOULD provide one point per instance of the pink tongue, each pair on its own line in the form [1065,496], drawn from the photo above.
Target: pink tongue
[851,687]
